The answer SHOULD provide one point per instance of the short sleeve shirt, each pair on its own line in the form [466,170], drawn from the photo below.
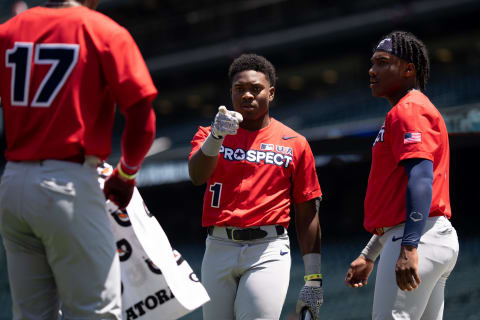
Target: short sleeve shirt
[413,128]
[259,175]
[63,72]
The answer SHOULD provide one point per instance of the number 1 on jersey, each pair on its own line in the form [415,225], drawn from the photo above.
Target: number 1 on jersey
[216,189]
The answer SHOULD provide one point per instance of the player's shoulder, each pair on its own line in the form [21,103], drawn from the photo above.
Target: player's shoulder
[414,104]
[7,25]
[97,20]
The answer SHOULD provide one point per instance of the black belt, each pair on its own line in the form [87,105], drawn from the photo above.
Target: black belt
[247,233]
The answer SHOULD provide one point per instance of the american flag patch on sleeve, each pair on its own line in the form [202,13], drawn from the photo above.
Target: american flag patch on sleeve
[412,137]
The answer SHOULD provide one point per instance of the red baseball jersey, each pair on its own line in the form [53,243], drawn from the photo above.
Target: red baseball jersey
[62,73]
[413,128]
[259,175]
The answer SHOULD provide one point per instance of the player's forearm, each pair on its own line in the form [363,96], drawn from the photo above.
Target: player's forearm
[418,199]
[138,135]
[201,167]
[308,226]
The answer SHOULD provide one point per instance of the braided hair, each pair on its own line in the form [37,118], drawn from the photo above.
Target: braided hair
[255,62]
[408,47]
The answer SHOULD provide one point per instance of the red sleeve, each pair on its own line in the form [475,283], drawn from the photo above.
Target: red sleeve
[305,180]
[413,133]
[138,135]
[126,71]
[198,139]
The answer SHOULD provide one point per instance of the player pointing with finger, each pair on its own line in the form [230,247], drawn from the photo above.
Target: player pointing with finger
[255,168]
[407,206]
[64,68]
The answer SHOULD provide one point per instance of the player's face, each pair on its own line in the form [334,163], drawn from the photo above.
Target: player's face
[251,94]
[387,75]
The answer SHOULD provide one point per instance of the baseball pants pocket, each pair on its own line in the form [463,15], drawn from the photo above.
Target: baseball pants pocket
[71,219]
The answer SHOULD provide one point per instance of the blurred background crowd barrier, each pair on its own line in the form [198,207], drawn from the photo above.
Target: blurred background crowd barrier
[322,51]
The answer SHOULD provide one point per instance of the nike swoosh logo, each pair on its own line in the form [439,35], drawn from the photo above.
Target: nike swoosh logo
[396,238]
[282,253]
[288,138]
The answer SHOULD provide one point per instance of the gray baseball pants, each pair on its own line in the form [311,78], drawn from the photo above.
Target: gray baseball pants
[437,255]
[246,280]
[59,243]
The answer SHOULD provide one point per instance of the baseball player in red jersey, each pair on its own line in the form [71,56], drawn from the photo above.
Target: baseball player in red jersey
[407,205]
[63,68]
[255,168]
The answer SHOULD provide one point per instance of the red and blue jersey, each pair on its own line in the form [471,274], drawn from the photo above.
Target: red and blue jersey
[413,128]
[259,175]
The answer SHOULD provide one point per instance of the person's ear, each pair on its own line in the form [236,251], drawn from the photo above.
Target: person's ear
[410,70]
[271,94]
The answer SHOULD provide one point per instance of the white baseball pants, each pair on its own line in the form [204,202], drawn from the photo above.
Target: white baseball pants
[437,255]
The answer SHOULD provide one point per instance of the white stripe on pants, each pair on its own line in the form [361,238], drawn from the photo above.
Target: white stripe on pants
[437,255]
[59,243]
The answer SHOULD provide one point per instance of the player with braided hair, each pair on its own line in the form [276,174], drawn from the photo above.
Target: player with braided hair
[407,205]
[255,168]
[409,48]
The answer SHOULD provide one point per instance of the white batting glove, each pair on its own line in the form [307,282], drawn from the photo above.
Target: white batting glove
[311,297]
[226,122]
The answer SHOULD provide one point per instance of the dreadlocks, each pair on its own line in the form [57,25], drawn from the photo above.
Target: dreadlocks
[408,47]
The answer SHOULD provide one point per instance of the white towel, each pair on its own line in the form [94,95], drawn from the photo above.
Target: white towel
[157,282]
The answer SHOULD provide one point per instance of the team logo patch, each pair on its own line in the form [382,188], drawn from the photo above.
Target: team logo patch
[412,137]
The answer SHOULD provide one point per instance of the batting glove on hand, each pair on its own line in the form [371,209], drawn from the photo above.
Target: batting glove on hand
[119,188]
[311,297]
[226,122]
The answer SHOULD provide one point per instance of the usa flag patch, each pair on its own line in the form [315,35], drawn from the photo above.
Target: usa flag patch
[266,146]
[412,137]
